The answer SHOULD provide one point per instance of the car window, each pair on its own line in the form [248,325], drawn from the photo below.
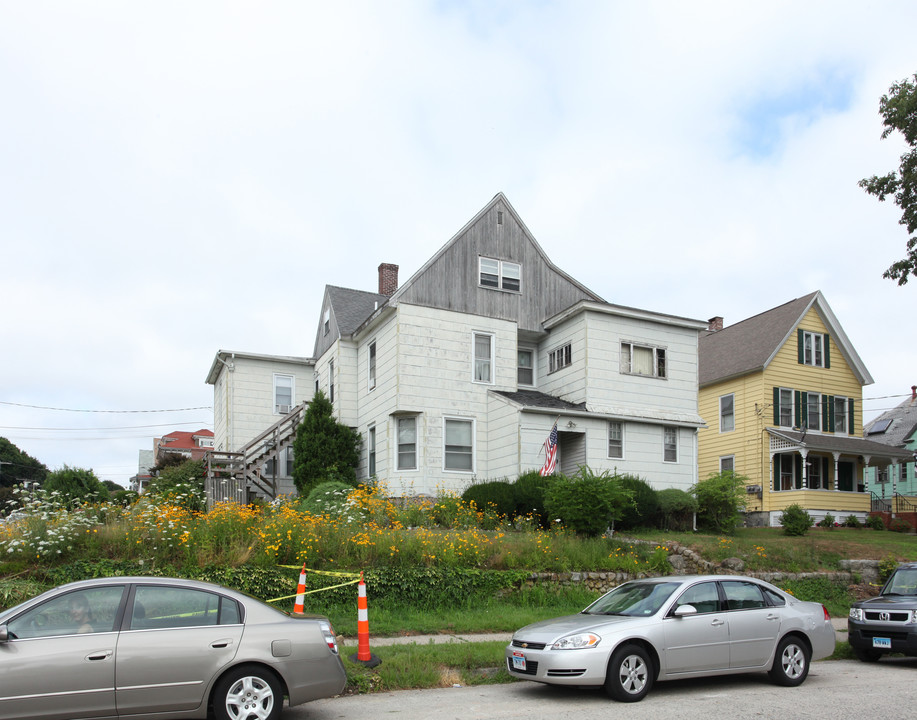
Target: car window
[902,582]
[634,598]
[170,607]
[774,598]
[743,595]
[92,610]
[703,597]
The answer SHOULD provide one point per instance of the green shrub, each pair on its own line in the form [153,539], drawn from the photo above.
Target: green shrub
[494,496]
[795,520]
[721,498]
[852,522]
[528,494]
[181,485]
[676,509]
[899,525]
[645,509]
[827,521]
[327,498]
[588,504]
[76,486]
[887,566]
[875,522]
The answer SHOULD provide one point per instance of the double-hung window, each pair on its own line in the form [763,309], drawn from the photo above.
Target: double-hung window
[407,443]
[616,440]
[786,413]
[840,414]
[670,444]
[525,367]
[371,452]
[813,349]
[331,381]
[813,411]
[483,358]
[283,394]
[371,366]
[500,274]
[727,413]
[643,360]
[458,441]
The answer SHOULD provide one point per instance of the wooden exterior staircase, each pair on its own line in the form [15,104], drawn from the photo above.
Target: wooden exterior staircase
[238,476]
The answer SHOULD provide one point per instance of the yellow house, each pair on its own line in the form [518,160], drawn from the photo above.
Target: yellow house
[781,394]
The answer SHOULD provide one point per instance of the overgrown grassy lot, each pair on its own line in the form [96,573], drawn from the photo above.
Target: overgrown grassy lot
[441,568]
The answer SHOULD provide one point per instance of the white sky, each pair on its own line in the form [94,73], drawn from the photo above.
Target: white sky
[180,177]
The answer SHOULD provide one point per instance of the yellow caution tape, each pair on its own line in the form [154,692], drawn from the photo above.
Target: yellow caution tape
[309,592]
[323,572]
[330,573]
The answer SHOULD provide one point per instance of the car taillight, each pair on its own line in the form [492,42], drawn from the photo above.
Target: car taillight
[328,633]
[827,616]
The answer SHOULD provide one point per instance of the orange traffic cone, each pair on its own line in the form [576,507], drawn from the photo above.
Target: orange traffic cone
[363,654]
[300,591]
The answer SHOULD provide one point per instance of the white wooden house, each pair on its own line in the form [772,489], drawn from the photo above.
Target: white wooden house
[459,373]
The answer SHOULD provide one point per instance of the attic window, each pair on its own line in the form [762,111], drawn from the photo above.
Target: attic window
[499,217]
[500,274]
[326,321]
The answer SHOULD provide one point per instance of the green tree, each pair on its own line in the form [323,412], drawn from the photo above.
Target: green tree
[18,467]
[898,109]
[324,449]
[76,485]
[721,498]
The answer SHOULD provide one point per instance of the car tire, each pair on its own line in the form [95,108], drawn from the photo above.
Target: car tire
[866,655]
[248,692]
[791,662]
[630,674]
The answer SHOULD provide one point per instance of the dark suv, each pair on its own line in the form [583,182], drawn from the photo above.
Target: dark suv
[887,623]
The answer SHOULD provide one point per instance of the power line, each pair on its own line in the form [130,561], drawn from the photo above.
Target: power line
[43,407]
[117,427]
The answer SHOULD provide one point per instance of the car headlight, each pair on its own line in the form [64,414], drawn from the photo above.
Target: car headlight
[913,616]
[856,614]
[578,641]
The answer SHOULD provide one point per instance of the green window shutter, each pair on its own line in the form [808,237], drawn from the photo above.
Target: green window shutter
[826,479]
[827,350]
[824,413]
[798,468]
[800,347]
[777,406]
[798,418]
[802,417]
[851,418]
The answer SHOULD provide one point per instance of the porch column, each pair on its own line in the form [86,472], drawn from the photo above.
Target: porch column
[805,470]
[837,456]
[866,459]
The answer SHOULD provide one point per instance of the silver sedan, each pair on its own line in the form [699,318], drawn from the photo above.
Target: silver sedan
[160,647]
[669,628]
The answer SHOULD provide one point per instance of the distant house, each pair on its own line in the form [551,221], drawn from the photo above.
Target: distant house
[898,428]
[781,393]
[188,445]
[460,373]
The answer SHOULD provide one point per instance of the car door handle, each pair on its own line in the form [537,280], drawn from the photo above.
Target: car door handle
[716,622]
[100,655]
[772,616]
[220,644]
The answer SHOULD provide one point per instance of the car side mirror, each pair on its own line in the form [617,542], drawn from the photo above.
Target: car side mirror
[683,610]
[4,634]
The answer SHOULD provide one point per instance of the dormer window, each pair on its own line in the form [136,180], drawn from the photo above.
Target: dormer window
[326,321]
[500,274]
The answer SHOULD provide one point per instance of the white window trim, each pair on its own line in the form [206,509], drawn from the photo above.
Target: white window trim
[529,349]
[553,365]
[474,429]
[809,396]
[372,365]
[397,445]
[277,407]
[474,358]
[646,346]
[675,430]
[728,457]
[846,403]
[792,406]
[608,440]
[500,274]
[733,396]
[806,335]
[372,447]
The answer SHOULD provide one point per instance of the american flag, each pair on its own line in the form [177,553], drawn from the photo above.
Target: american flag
[550,452]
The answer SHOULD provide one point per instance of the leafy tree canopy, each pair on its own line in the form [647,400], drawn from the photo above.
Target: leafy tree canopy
[324,449]
[76,485]
[898,109]
[19,467]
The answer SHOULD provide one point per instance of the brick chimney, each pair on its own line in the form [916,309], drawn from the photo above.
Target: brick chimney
[913,392]
[715,324]
[388,279]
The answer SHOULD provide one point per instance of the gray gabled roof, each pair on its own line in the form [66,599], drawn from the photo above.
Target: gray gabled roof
[352,307]
[847,445]
[900,424]
[750,345]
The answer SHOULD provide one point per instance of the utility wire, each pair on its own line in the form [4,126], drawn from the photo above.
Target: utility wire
[43,407]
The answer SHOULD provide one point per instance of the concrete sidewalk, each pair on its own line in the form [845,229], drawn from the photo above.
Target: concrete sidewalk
[840,627]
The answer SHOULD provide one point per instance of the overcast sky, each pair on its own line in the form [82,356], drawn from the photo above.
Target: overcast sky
[181,177]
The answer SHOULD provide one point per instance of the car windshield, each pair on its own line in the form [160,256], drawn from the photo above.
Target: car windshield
[635,599]
[902,582]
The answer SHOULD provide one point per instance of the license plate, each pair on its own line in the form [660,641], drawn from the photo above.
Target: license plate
[518,661]
[884,643]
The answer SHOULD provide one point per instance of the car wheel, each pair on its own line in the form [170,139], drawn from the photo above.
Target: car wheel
[630,674]
[865,655]
[248,693]
[791,662]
